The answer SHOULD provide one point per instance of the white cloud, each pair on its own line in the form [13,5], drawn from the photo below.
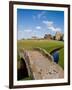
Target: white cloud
[24,33]
[38,27]
[50,26]
[54,29]
[41,14]
[57,29]
[48,23]
[20,34]
[38,16]
[28,30]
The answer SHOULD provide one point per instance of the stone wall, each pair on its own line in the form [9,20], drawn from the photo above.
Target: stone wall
[25,55]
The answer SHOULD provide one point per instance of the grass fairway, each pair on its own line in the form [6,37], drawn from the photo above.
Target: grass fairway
[61,58]
[48,45]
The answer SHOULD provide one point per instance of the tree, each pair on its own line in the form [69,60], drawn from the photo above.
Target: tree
[53,37]
[48,36]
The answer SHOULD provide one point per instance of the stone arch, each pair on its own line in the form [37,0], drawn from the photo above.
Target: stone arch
[22,72]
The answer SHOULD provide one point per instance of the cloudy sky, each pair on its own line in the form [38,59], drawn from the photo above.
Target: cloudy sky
[38,23]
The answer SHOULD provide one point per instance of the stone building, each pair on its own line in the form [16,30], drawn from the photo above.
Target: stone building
[59,36]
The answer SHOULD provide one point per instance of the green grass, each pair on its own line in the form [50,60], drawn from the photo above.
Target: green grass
[61,58]
[48,45]
[27,78]
[45,44]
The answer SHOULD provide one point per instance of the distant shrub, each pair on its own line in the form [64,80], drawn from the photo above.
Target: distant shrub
[18,56]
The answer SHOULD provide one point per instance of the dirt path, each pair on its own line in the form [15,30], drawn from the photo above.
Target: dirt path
[43,68]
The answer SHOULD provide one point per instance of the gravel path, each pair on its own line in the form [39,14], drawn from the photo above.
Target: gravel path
[43,68]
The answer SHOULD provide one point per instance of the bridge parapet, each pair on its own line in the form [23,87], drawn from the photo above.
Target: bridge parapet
[25,56]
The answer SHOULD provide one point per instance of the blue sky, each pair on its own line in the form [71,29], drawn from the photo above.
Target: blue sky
[38,23]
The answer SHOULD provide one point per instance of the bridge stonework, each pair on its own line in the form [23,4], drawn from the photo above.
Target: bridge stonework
[40,65]
[25,57]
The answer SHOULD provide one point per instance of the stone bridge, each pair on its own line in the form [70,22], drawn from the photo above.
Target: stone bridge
[40,65]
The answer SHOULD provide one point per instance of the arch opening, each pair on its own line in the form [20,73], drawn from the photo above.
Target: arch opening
[22,71]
